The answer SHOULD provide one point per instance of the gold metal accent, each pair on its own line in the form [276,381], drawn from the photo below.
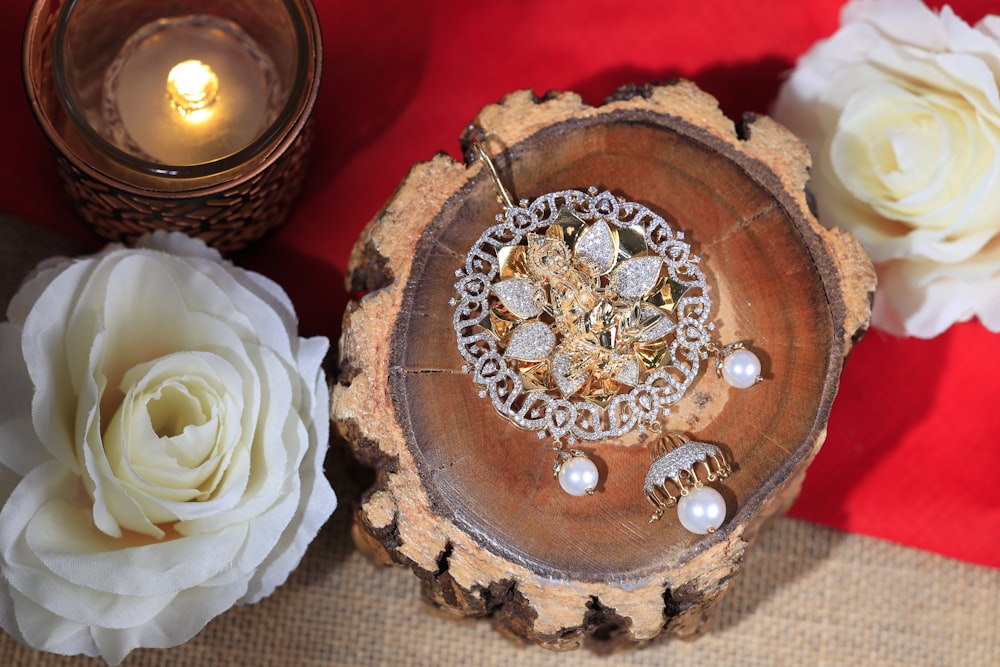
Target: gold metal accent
[503,195]
[666,492]
[602,346]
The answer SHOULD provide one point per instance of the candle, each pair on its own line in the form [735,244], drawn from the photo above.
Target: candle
[188,90]
[189,115]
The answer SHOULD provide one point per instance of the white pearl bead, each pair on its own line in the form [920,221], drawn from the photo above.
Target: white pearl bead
[578,476]
[741,369]
[702,511]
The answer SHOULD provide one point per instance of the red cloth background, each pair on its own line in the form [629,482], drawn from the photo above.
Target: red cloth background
[912,451]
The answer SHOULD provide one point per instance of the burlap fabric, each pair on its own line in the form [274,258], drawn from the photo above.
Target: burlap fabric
[808,596]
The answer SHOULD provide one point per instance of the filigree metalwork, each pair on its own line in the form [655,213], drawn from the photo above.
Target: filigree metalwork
[581,315]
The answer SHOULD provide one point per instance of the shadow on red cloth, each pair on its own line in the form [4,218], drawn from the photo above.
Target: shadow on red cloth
[364,88]
[912,436]
[315,286]
[740,87]
[870,425]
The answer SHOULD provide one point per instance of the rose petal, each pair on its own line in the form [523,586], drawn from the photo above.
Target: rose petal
[273,324]
[24,572]
[41,629]
[163,473]
[990,26]
[268,465]
[317,500]
[113,508]
[8,616]
[62,539]
[266,532]
[178,244]
[270,293]
[16,387]
[54,404]
[8,482]
[32,287]
[904,307]
[146,304]
[906,21]
[23,451]
[975,81]
[963,37]
[919,298]
[182,619]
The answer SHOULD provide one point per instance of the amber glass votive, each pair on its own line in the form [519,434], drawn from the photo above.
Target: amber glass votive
[189,115]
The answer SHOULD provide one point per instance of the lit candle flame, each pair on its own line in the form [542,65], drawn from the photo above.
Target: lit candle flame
[192,87]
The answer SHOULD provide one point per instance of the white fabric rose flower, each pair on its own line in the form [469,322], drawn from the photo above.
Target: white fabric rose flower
[162,434]
[901,111]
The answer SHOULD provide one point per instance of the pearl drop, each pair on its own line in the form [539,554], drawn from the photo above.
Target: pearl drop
[578,476]
[741,369]
[702,511]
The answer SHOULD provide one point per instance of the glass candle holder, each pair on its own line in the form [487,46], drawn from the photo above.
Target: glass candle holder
[188,115]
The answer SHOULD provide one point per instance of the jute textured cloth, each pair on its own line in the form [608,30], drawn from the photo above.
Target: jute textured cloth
[807,596]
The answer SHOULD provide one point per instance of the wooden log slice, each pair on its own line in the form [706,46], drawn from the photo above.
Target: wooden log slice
[465,499]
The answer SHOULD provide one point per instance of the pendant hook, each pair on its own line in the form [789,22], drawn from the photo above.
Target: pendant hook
[503,194]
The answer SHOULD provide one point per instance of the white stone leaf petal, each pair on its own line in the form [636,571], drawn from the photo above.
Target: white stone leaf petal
[532,341]
[629,374]
[596,246]
[657,324]
[560,373]
[636,277]
[520,296]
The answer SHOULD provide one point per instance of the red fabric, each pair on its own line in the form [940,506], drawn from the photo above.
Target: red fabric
[911,454]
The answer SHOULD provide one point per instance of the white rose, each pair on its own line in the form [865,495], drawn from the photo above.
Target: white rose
[901,111]
[162,433]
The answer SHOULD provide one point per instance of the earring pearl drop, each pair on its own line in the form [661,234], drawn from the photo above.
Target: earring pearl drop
[578,476]
[702,511]
[741,369]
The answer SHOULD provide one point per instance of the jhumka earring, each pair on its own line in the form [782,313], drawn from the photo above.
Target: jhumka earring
[583,316]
